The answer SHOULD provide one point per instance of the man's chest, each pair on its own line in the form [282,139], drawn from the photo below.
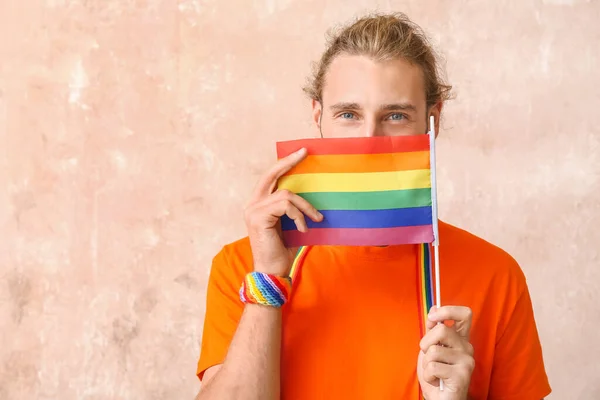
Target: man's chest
[354,336]
[354,333]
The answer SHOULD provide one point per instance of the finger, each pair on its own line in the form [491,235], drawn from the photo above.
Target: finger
[462,316]
[446,355]
[299,202]
[434,371]
[267,183]
[289,209]
[266,216]
[459,373]
[430,324]
[441,334]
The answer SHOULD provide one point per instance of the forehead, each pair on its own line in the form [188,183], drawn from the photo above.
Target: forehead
[365,81]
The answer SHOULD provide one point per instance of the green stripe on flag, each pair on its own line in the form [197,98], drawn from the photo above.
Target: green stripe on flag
[369,200]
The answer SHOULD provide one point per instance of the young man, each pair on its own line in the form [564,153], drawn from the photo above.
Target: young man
[352,328]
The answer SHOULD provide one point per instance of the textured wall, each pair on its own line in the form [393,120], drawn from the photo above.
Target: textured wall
[131,132]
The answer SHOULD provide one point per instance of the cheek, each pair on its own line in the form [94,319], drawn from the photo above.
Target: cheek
[336,128]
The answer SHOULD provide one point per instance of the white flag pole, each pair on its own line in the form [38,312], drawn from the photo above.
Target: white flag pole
[434,207]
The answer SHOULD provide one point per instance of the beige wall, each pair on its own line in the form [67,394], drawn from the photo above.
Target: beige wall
[131,132]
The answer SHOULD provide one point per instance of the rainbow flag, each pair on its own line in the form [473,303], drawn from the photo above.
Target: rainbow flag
[372,191]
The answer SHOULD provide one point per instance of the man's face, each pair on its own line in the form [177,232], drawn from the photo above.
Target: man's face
[362,97]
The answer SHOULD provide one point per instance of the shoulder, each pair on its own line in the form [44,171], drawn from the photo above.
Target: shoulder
[238,250]
[233,261]
[479,260]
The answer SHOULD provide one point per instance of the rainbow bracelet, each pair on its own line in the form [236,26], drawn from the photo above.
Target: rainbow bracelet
[265,289]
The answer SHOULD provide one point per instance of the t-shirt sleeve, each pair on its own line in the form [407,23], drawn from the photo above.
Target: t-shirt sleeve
[223,312]
[518,372]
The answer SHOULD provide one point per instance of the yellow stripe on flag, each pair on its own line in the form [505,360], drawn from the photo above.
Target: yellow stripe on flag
[356,182]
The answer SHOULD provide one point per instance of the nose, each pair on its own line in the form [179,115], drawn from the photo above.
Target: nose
[372,128]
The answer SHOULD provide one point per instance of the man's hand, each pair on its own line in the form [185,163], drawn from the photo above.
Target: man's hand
[446,354]
[262,214]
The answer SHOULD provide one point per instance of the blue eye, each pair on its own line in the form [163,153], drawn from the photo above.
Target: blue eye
[397,117]
[347,115]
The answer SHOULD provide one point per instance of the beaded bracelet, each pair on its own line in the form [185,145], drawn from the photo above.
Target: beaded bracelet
[265,289]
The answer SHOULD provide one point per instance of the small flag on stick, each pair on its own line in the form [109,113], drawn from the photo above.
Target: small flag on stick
[372,191]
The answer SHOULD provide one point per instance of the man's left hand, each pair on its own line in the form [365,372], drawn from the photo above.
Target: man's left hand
[446,354]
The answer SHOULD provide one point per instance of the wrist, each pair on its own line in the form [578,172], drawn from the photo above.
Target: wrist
[265,289]
[272,269]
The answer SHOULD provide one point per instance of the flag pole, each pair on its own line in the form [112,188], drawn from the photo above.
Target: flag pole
[434,207]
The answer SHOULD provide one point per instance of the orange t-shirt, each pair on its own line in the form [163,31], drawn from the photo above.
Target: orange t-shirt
[352,327]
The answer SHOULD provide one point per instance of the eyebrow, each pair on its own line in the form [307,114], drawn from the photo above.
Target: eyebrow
[383,107]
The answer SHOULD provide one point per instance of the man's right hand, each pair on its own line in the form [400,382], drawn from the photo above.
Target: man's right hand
[263,212]
[259,328]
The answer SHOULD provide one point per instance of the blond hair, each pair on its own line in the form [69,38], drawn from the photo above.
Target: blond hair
[383,37]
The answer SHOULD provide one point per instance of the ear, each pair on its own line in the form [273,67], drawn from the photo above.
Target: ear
[436,111]
[317,110]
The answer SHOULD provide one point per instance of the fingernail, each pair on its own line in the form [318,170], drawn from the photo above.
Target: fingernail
[301,151]
[319,215]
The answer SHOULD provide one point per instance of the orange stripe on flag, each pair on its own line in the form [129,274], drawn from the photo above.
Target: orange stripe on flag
[350,163]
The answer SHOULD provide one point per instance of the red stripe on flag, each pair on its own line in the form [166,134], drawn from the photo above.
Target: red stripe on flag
[358,145]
